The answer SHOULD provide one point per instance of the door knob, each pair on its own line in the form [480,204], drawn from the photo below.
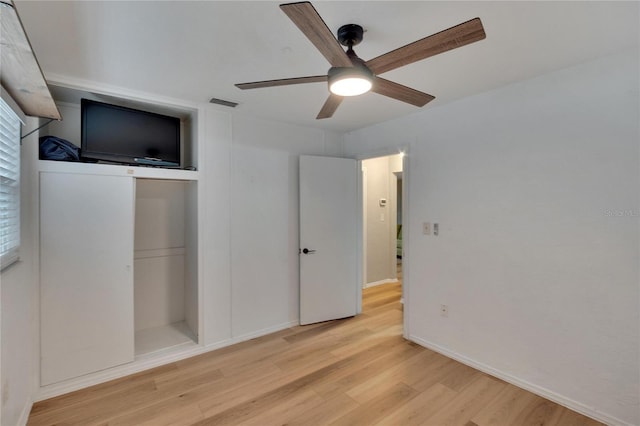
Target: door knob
[307,251]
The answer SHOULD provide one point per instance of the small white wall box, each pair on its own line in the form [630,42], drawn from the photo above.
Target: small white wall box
[383,202]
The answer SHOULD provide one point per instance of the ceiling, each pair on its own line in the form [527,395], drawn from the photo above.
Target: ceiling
[198,50]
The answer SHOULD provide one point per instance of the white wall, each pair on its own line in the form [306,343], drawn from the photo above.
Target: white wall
[250,225]
[214,192]
[69,127]
[19,298]
[378,220]
[264,220]
[535,187]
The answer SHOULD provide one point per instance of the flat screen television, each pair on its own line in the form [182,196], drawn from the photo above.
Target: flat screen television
[130,136]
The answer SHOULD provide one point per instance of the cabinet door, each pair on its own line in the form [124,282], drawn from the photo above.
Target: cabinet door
[86,276]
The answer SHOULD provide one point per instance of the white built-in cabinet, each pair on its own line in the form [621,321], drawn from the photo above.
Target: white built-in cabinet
[86,269]
[118,255]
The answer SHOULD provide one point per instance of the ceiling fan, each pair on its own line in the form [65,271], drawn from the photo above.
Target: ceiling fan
[351,76]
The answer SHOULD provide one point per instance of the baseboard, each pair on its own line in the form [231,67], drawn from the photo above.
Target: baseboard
[248,336]
[538,390]
[24,416]
[375,283]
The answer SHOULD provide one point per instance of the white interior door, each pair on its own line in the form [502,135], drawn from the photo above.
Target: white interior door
[329,286]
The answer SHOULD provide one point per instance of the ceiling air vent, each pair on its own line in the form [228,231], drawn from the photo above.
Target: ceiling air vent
[223,102]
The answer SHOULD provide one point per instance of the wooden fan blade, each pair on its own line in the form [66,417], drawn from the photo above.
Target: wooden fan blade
[307,19]
[330,106]
[282,82]
[400,92]
[452,38]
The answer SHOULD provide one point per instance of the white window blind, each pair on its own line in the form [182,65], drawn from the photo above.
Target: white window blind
[9,185]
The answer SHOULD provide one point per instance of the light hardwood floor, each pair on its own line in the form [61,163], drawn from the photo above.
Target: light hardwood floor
[356,371]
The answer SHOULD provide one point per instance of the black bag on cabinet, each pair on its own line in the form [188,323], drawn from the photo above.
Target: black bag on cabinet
[53,148]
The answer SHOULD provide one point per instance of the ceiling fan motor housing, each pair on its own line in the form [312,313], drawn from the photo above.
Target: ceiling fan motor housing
[350,35]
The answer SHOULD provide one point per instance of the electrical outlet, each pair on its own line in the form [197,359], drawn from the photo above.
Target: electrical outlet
[444,311]
[426,228]
[436,229]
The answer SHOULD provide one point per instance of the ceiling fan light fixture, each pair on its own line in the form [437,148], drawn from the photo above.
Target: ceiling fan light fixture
[350,81]
[350,75]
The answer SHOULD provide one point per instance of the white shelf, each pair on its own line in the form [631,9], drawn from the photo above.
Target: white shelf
[116,170]
[163,338]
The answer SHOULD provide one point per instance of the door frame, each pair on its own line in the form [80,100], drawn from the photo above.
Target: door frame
[361,190]
[406,277]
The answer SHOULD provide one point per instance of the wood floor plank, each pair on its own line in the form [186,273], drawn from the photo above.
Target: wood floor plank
[274,390]
[174,412]
[400,371]
[460,377]
[438,368]
[92,411]
[332,409]
[372,340]
[96,392]
[303,356]
[365,371]
[355,371]
[192,378]
[420,408]
[366,414]
[138,398]
[505,408]
[299,403]
[388,288]
[243,391]
[565,417]
[540,411]
[380,301]
[255,406]
[375,294]
[467,403]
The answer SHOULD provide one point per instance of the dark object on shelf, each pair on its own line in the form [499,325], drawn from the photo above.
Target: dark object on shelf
[128,136]
[53,148]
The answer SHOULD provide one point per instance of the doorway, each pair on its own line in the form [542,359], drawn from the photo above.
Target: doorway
[383,191]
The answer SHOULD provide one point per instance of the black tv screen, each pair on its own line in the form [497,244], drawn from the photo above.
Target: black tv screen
[125,135]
